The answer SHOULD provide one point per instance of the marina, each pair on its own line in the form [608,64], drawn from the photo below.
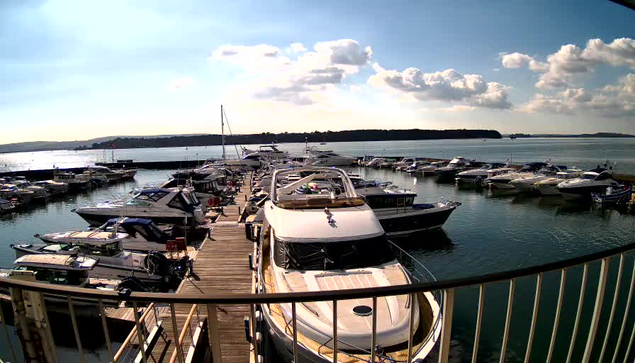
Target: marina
[221,262]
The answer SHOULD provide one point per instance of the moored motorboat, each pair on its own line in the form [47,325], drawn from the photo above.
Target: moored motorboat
[501,182]
[613,195]
[526,183]
[135,234]
[589,182]
[455,166]
[6,206]
[549,186]
[53,188]
[399,215]
[170,206]
[476,177]
[329,240]
[431,168]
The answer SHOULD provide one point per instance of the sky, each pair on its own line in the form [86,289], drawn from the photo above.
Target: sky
[75,70]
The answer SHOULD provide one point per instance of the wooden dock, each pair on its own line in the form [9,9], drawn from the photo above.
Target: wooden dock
[221,265]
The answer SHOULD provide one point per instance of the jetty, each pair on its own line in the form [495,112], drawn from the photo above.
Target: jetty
[221,265]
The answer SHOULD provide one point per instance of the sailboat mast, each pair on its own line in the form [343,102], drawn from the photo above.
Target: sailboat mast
[222,123]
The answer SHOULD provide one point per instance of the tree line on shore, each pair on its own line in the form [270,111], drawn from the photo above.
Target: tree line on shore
[288,137]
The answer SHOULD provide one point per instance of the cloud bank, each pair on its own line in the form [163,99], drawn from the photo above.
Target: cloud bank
[448,86]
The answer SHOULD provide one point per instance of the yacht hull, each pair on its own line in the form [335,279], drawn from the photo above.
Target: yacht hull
[398,223]
[581,193]
[96,220]
[545,189]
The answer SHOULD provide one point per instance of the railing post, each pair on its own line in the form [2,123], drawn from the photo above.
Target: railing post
[534,317]
[612,315]
[295,332]
[104,325]
[335,331]
[254,332]
[373,336]
[626,311]
[556,321]
[597,310]
[411,323]
[214,334]
[7,336]
[578,315]
[479,321]
[71,309]
[508,319]
[175,331]
[446,332]
[140,334]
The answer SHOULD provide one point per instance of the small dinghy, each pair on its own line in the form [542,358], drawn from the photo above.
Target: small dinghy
[613,195]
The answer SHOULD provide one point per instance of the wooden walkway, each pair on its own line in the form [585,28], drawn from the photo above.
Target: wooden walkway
[221,265]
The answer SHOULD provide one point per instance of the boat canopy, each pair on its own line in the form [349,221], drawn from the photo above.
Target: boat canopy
[63,262]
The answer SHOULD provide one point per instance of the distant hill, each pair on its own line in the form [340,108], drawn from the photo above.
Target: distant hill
[597,134]
[60,145]
[266,138]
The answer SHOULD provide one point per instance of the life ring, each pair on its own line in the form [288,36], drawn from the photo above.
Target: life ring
[210,203]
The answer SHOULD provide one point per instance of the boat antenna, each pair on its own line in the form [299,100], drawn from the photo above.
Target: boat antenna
[222,125]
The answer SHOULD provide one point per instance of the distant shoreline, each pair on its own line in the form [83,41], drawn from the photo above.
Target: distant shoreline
[596,135]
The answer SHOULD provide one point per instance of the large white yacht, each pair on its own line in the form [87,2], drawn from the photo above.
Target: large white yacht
[526,183]
[477,177]
[328,239]
[319,157]
[549,186]
[589,182]
[176,206]
[501,182]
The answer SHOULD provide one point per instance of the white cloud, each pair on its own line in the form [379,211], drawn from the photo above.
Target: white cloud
[570,61]
[448,86]
[355,88]
[296,80]
[519,60]
[297,47]
[611,101]
[181,82]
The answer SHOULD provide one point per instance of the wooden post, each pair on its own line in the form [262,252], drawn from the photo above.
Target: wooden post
[214,333]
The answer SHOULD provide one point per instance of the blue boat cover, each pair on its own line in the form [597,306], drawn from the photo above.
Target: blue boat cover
[129,221]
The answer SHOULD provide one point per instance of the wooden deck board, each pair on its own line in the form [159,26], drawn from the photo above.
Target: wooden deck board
[221,265]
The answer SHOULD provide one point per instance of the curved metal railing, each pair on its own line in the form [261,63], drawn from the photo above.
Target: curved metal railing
[444,287]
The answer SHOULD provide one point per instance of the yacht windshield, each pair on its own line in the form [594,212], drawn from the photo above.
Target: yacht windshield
[332,255]
[589,176]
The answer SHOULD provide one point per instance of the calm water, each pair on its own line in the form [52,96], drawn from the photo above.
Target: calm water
[584,152]
[485,234]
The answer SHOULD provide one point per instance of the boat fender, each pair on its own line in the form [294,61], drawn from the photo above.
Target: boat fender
[251,262]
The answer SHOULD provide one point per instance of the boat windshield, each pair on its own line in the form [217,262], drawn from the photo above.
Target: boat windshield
[332,255]
[588,176]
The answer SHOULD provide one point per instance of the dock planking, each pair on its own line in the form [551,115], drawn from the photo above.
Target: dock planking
[221,265]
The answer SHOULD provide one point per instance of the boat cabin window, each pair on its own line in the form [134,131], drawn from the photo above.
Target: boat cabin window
[589,176]
[57,277]
[332,255]
[180,202]
[389,201]
[151,196]
[106,250]
[603,176]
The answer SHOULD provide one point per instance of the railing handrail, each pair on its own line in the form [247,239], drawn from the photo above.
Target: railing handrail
[216,297]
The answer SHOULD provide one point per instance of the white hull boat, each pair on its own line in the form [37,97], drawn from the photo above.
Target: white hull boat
[301,251]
